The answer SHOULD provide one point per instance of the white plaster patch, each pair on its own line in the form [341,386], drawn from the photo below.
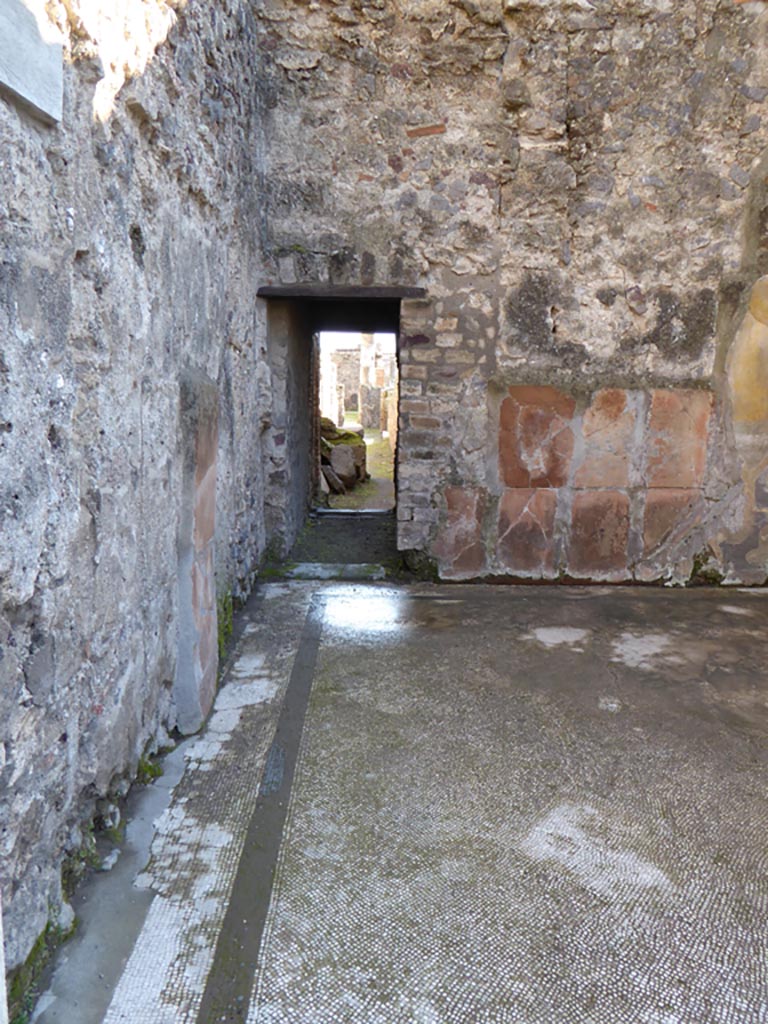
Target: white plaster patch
[555,636]
[568,836]
[225,720]
[248,665]
[638,649]
[206,748]
[733,609]
[243,695]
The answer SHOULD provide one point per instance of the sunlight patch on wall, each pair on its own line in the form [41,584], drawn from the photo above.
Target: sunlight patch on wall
[123,35]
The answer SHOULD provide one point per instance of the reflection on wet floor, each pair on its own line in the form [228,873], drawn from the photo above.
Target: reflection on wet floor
[384,611]
[388,611]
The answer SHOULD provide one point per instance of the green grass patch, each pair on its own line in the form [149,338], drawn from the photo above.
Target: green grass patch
[147,771]
[225,618]
[704,574]
[380,464]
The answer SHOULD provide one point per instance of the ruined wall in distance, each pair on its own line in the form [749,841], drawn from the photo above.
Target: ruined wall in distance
[580,187]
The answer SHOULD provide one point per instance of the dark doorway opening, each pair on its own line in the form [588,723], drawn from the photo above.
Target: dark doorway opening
[302,314]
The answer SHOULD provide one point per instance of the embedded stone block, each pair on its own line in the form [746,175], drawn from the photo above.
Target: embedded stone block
[342,459]
[599,534]
[458,546]
[526,531]
[608,429]
[197,650]
[665,509]
[535,437]
[678,430]
[31,62]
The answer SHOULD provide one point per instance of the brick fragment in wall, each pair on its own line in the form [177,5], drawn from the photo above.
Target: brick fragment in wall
[421,131]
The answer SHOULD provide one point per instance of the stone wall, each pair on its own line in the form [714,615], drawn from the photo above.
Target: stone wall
[140,419]
[581,189]
[293,465]
[347,363]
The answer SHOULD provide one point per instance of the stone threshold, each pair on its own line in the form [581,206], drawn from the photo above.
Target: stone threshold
[335,571]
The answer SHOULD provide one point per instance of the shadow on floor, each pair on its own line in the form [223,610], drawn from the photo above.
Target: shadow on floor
[347,537]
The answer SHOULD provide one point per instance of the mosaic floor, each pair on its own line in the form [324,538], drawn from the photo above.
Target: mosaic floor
[493,805]
[497,820]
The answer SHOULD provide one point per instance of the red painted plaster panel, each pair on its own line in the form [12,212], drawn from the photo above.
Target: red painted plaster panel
[677,438]
[609,427]
[526,530]
[459,544]
[666,509]
[599,533]
[535,437]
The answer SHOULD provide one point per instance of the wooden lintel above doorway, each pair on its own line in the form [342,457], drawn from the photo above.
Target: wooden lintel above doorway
[337,292]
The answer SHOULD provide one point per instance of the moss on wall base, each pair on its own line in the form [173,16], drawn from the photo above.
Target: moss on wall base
[23,982]
[225,617]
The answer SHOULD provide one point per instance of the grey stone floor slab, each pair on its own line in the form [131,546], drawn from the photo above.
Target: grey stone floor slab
[335,570]
[533,805]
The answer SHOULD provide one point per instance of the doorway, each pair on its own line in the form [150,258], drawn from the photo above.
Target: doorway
[297,317]
[358,409]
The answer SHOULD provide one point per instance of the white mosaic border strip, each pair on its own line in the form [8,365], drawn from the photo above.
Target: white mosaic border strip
[199,838]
